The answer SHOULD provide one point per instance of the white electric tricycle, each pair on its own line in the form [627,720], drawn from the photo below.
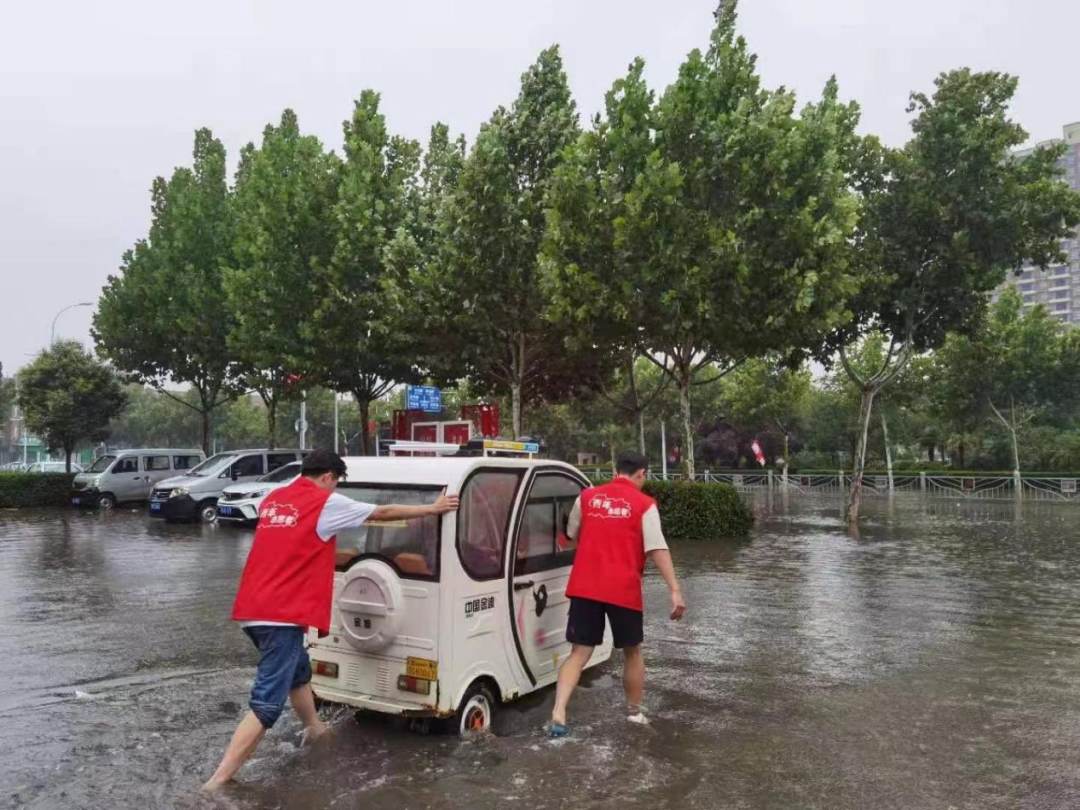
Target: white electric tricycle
[447,618]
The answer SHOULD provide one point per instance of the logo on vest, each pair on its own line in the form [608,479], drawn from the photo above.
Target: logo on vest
[602,506]
[279,514]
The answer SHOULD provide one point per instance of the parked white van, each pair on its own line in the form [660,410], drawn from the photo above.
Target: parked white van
[129,475]
[448,617]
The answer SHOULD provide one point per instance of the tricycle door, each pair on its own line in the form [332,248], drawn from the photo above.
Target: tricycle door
[540,572]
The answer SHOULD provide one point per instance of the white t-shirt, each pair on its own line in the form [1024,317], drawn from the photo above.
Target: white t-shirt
[338,513]
[651,531]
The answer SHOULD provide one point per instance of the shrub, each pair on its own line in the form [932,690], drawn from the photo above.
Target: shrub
[34,489]
[700,511]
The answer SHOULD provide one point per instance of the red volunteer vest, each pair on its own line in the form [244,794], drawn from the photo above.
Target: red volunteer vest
[611,547]
[289,574]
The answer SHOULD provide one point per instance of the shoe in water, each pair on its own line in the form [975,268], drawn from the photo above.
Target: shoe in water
[557,730]
[639,718]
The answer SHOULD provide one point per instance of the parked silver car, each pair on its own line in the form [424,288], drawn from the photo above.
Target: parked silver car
[194,495]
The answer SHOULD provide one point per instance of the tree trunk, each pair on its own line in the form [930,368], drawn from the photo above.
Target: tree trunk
[866,407]
[960,453]
[786,438]
[611,445]
[688,429]
[69,448]
[515,409]
[364,404]
[1011,426]
[888,452]
[271,421]
[1015,446]
[206,432]
[638,410]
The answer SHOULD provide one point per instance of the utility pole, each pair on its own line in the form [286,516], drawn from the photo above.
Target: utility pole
[52,331]
[301,423]
[663,449]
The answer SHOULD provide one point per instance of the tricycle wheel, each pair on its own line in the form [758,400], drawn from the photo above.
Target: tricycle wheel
[477,710]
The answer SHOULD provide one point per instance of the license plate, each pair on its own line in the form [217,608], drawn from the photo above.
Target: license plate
[155,507]
[75,501]
[224,510]
[422,668]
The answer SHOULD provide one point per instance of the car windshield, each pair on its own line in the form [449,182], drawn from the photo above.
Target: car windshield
[101,465]
[412,546]
[282,473]
[211,465]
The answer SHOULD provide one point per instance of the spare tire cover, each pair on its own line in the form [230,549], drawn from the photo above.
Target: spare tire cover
[370,603]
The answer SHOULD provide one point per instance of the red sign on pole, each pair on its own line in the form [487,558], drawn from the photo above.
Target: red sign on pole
[757,452]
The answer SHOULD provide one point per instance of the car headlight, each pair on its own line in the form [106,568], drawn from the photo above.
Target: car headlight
[262,493]
[179,492]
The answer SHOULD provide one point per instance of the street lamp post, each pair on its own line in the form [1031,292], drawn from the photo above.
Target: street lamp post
[52,332]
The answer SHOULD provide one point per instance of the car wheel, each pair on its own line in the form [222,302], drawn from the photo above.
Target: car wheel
[106,500]
[208,512]
[477,710]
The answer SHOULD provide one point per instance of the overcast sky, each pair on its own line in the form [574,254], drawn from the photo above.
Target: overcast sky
[96,98]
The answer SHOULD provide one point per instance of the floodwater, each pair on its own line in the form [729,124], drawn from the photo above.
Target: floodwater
[930,664]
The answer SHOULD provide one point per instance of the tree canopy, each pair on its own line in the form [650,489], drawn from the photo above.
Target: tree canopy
[66,397]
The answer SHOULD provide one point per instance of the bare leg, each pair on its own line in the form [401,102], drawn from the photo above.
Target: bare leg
[634,676]
[569,675]
[303,703]
[243,744]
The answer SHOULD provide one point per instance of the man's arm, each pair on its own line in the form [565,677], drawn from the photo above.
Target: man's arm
[349,514]
[656,549]
[573,520]
[661,558]
[392,511]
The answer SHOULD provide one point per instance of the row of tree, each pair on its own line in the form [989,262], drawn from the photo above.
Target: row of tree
[693,231]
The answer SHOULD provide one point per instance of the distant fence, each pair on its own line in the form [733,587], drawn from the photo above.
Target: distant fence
[930,484]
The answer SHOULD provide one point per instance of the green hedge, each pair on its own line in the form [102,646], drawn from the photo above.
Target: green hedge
[34,489]
[700,511]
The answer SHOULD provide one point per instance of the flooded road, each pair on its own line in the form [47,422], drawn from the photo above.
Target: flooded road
[934,663]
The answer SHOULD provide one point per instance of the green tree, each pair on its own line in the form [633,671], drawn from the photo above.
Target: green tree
[7,393]
[488,277]
[360,346]
[165,319]
[954,212]
[284,199]
[764,394]
[67,396]
[590,299]
[734,237]
[152,419]
[1014,368]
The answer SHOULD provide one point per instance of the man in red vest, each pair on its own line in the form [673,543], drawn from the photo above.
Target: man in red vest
[617,528]
[287,586]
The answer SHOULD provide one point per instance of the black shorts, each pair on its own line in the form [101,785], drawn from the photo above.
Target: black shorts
[586,623]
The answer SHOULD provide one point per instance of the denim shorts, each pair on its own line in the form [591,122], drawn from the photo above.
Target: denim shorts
[283,666]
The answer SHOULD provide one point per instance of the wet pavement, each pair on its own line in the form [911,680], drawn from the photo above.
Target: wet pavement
[930,664]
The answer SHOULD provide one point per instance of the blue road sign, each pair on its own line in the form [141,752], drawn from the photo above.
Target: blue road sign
[424,398]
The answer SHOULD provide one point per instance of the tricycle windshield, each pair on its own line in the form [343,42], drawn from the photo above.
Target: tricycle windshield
[411,546]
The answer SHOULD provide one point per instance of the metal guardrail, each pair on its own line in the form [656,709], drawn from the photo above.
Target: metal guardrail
[934,485]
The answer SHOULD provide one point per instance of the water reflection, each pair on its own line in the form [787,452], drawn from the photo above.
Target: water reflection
[928,664]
